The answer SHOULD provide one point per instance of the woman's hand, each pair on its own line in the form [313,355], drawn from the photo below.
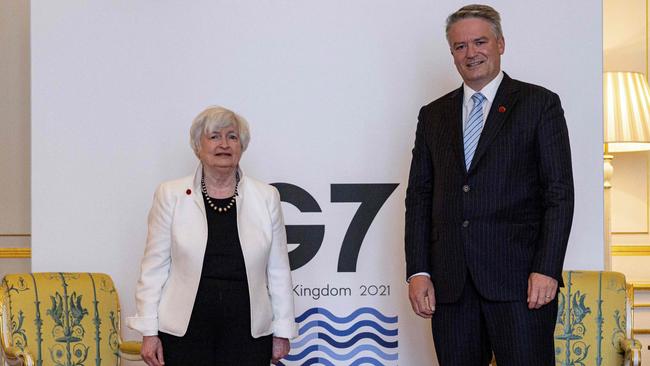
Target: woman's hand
[152,352]
[280,349]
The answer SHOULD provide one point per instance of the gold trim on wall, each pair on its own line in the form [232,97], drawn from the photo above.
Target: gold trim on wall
[630,250]
[641,285]
[15,235]
[15,253]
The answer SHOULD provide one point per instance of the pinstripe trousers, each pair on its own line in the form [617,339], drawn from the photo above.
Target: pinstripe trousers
[465,333]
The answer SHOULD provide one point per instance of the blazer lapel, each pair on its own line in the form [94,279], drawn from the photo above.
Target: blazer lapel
[251,236]
[197,195]
[454,117]
[504,101]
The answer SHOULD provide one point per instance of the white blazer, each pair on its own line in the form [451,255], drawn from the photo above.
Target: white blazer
[173,258]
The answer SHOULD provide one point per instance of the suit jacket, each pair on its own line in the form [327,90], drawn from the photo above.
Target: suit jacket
[506,217]
[173,258]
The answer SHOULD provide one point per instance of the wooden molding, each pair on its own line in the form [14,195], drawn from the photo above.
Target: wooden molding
[15,253]
[641,285]
[630,250]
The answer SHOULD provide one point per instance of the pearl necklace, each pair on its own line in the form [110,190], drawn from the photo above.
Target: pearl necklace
[204,189]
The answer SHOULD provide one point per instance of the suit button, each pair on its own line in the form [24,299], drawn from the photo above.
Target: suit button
[465,223]
[465,188]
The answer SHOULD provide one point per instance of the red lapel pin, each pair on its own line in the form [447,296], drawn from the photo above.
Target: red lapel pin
[502,109]
[188,192]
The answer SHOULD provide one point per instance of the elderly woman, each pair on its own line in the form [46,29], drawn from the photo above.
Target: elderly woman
[215,283]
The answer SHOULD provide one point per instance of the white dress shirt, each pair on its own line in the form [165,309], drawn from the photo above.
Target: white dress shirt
[489,92]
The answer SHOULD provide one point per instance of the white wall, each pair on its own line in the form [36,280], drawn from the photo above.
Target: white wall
[332,90]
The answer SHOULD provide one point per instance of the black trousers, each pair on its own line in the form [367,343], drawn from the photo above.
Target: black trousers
[219,332]
[465,333]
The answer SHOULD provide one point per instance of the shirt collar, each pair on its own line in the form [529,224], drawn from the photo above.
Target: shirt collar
[489,91]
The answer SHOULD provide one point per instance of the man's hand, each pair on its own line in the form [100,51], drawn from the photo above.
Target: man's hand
[280,349]
[541,290]
[422,296]
[152,352]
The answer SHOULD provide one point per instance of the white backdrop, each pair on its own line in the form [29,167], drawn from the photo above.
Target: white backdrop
[331,89]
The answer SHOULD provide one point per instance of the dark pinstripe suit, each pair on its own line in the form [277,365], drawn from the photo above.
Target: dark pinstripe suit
[506,217]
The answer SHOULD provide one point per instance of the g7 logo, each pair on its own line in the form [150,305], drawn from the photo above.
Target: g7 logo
[310,237]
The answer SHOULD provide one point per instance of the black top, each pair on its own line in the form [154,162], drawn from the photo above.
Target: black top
[223,259]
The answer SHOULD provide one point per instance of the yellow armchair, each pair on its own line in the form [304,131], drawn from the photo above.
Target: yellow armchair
[594,321]
[61,319]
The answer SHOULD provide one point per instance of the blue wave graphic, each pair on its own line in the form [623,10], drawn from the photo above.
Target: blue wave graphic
[375,344]
[365,360]
[349,343]
[317,360]
[347,332]
[347,319]
[326,362]
[342,357]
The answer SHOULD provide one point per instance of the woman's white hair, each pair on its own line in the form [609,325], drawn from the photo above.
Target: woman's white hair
[215,118]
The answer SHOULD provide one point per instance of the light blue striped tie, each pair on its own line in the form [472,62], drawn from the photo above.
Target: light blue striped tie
[473,128]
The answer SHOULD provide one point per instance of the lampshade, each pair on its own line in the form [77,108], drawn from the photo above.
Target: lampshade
[627,111]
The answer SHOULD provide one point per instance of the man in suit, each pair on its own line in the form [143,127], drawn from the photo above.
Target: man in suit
[489,207]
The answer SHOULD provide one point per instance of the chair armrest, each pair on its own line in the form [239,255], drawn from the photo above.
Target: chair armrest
[15,357]
[632,349]
[130,350]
